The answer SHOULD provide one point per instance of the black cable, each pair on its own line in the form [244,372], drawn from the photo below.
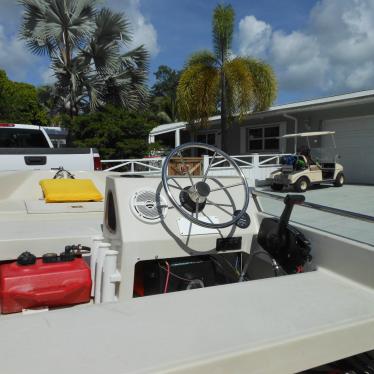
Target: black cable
[274,264]
[229,270]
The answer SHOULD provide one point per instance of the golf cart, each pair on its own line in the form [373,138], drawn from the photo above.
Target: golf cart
[309,165]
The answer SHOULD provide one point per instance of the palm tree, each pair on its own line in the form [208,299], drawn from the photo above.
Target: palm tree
[236,85]
[85,45]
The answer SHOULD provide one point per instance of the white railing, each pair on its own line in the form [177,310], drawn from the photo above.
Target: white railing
[148,166]
[256,167]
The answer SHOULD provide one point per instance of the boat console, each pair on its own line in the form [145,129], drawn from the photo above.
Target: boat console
[181,233]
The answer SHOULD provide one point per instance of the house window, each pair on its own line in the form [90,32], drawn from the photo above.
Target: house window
[208,138]
[263,138]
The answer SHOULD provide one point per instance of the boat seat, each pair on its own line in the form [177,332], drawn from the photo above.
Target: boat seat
[69,190]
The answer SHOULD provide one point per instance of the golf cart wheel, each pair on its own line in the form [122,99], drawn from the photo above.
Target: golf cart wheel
[276,187]
[339,180]
[302,184]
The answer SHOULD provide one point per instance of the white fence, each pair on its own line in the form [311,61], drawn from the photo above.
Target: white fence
[256,167]
[146,166]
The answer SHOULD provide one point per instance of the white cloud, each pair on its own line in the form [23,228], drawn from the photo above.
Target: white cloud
[47,76]
[14,57]
[254,36]
[334,53]
[18,62]
[298,60]
[143,30]
[361,76]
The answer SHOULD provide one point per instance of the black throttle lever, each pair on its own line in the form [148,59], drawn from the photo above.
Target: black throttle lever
[290,201]
[285,243]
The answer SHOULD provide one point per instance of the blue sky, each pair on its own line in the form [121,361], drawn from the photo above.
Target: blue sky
[317,48]
[184,26]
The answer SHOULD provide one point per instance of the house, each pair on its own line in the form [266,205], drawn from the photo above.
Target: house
[351,116]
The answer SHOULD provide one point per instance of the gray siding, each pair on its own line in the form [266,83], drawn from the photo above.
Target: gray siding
[310,120]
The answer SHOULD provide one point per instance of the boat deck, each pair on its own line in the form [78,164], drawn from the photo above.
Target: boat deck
[40,233]
[234,328]
[27,222]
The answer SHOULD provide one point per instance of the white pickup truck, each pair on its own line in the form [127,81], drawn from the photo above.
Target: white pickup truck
[25,147]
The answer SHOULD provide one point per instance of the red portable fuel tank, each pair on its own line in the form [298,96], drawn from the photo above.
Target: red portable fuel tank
[51,281]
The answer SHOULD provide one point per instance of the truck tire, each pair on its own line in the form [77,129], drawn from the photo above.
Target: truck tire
[302,184]
[339,180]
[276,187]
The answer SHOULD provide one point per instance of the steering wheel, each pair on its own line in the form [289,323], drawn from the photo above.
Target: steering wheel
[193,199]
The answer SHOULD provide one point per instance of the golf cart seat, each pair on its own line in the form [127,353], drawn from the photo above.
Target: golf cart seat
[306,152]
[301,162]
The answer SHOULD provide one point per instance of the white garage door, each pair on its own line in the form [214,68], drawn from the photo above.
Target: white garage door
[355,142]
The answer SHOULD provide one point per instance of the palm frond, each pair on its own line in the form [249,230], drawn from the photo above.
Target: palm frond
[34,14]
[203,57]
[85,46]
[164,117]
[239,87]
[71,19]
[49,23]
[111,26]
[127,87]
[223,29]
[197,93]
[112,29]
[105,57]
[137,57]
[126,92]
[264,83]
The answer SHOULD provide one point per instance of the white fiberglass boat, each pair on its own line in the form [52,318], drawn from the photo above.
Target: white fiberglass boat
[258,294]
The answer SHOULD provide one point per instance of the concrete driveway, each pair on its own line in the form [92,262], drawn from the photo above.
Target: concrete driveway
[358,199]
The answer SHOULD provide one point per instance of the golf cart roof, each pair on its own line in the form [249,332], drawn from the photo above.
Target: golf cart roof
[307,134]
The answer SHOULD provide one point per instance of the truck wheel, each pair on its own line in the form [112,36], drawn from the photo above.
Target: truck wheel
[302,184]
[276,187]
[339,180]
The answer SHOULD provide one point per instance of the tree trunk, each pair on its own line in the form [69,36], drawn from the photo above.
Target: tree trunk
[66,56]
[224,145]
[193,139]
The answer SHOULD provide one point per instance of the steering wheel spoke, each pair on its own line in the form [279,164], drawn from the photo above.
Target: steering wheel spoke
[209,166]
[225,187]
[219,206]
[176,187]
[197,209]
[187,168]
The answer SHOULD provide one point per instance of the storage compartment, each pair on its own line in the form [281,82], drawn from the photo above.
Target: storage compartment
[177,274]
[50,282]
